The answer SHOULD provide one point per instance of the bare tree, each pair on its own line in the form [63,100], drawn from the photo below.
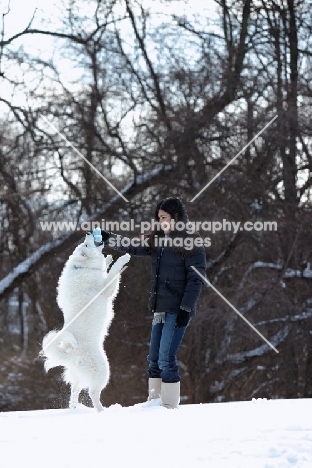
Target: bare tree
[161,105]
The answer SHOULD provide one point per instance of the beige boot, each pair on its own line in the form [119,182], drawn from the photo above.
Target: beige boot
[154,388]
[170,394]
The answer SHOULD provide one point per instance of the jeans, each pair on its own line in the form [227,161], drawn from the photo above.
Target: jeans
[164,345]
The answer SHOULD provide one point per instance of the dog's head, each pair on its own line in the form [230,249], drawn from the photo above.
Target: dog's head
[90,244]
[88,255]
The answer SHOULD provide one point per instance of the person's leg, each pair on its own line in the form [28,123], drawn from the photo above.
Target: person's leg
[171,338]
[153,356]
[170,342]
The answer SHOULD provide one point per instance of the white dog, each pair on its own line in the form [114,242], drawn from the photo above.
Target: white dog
[85,295]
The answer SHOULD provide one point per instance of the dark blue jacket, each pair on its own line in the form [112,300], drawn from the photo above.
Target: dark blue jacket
[175,284]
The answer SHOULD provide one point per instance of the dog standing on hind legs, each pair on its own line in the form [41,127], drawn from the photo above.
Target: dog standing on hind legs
[86,292]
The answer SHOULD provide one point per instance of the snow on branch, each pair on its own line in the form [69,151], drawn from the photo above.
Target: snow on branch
[289,272]
[141,178]
[218,386]
[256,298]
[213,262]
[260,350]
[24,267]
[307,314]
[10,281]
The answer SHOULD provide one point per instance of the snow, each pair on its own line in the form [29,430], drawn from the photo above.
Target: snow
[253,434]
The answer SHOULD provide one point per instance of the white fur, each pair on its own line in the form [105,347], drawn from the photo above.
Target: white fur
[79,348]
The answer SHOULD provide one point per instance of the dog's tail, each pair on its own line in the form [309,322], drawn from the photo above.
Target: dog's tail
[56,348]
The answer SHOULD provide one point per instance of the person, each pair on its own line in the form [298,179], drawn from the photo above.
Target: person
[175,290]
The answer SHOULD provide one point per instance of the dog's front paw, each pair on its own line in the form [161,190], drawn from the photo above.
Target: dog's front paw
[124,259]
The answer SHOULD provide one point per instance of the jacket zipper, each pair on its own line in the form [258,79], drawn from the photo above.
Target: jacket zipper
[157,275]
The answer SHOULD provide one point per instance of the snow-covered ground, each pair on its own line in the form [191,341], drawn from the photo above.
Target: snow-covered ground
[259,433]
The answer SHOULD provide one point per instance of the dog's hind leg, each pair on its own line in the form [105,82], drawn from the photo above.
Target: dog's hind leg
[95,394]
[74,395]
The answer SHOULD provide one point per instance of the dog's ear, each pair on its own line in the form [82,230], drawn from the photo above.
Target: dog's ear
[89,240]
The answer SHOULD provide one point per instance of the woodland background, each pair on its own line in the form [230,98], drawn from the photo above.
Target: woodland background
[159,96]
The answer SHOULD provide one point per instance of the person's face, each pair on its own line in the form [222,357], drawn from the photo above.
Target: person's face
[164,219]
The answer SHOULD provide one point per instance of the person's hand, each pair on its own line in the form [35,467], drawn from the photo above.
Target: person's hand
[105,235]
[183,318]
